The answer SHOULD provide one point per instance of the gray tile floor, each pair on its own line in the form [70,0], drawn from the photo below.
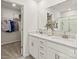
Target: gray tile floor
[12,51]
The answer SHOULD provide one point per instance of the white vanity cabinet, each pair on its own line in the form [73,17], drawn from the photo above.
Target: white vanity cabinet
[33,46]
[43,48]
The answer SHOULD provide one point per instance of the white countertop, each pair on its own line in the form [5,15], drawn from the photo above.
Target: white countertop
[67,42]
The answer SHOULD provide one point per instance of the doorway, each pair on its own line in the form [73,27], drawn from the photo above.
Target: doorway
[11,28]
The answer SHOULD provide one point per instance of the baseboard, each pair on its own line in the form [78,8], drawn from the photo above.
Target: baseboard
[9,42]
[26,54]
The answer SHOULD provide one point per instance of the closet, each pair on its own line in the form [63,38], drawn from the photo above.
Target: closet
[10,23]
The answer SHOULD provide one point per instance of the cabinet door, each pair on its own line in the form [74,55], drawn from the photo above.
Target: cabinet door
[50,53]
[36,46]
[59,55]
[54,54]
[33,46]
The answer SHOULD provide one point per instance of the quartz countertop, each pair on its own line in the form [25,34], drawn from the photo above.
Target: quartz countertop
[70,42]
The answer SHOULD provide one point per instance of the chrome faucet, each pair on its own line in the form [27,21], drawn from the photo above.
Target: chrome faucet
[65,35]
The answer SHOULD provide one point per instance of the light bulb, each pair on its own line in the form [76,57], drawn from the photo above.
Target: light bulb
[13,4]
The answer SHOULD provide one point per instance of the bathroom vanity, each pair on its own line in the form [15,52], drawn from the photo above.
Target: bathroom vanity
[60,18]
[42,46]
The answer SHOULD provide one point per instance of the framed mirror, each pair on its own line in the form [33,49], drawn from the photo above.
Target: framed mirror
[63,17]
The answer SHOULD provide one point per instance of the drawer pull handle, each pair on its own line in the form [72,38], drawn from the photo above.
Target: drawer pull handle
[75,52]
[41,53]
[41,42]
[41,47]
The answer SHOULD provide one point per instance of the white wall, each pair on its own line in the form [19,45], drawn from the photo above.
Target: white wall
[30,22]
[9,12]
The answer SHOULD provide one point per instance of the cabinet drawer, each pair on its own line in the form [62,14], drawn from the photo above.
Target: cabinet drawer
[42,55]
[42,42]
[43,48]
[61,48]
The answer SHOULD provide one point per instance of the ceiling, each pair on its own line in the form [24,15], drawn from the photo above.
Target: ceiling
[9,5]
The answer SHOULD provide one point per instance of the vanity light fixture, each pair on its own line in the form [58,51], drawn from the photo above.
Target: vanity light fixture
[13,4]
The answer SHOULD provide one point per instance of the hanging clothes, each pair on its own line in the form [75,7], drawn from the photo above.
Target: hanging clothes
[19,25]
[16,25]
[9,26]
[12,23]
[4,25]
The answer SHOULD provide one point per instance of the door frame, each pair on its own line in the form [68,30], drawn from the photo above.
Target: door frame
[22,19]
[22,6]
